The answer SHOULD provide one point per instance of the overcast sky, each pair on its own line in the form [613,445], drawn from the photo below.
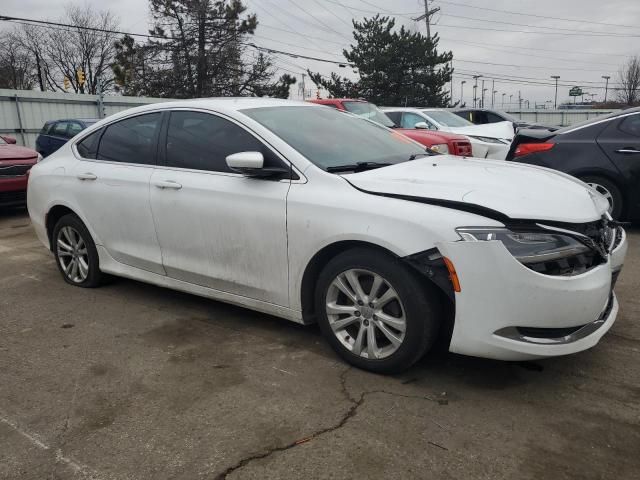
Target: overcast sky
[579,51]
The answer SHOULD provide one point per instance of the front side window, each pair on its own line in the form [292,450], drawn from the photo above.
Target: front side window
[631,125]
[329,138]
[202,141]
[132,140]
[60,129]
[409,120]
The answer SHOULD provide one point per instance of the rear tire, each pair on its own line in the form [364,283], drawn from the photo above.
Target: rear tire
[75,252]
[610,191]
[375,312]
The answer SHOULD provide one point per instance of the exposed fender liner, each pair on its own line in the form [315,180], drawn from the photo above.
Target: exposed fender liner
[462,206]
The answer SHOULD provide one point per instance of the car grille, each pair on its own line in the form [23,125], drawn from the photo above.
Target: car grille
[14,170]
[13,198]
[567,266]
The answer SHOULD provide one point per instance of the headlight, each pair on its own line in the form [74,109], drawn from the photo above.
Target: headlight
[440,148]
[527,247]
[487,139]
[39,159]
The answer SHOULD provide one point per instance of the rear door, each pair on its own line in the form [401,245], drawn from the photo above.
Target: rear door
[218,228]
[112,189]
[620,140]
[58,136]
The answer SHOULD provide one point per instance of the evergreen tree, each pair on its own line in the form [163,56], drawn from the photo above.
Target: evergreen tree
[396,67]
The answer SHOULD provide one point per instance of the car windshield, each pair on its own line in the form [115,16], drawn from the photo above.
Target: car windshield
[448,119]
[369,111]
[2,141]
[329,138]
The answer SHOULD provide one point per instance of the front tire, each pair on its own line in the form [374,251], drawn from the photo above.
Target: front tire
[375,312]
[610,191]
[75,253]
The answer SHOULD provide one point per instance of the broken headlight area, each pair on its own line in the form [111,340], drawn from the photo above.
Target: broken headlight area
[548,253]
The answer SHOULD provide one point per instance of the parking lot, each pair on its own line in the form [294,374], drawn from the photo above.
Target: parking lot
[131,381]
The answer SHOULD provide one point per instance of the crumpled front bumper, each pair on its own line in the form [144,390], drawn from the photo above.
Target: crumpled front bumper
[501,302]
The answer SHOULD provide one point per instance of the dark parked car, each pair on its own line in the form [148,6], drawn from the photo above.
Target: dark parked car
[603,152]
[480,116]
[55,133]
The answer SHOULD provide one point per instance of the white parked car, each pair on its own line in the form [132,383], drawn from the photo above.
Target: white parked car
[487,141]
[300,211]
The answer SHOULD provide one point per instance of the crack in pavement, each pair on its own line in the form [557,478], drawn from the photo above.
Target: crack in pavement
[350,413]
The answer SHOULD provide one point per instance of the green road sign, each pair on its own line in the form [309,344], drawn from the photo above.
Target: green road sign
[575,92]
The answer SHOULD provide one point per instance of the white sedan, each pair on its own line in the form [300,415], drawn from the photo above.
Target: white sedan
[300,211]
[487,141]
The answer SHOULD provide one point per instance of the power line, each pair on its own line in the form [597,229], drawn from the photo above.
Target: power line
[466,5]
[306,12]
[467,27]
[324,7]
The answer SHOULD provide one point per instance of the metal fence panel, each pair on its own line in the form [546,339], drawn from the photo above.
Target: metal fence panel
[559,117]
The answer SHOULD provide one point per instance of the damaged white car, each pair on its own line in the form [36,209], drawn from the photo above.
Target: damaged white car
[491,140]
[300,211]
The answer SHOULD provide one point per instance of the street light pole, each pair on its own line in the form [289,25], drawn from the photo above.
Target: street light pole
[606,87]
[555,103]
[483,89]
[503,99]
[510,97]
[493,97]
[462,91]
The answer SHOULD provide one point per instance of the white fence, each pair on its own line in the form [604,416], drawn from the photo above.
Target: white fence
[558,117]
[24,112]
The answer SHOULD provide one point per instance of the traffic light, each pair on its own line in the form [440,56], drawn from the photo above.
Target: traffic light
[80,76]
[67,83]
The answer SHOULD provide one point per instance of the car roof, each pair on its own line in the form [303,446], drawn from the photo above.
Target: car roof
[83,120]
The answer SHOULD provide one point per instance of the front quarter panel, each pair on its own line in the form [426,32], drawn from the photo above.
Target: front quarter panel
[327,210]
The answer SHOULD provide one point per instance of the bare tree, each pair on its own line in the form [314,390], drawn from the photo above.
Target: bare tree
[629,79]
[17,67]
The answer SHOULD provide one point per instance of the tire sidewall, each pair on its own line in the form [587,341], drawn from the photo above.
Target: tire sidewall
[616,194]
[422,311]
[94,277]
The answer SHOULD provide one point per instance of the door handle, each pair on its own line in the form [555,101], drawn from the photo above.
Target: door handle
[162,184]
[86,176]
[628,150]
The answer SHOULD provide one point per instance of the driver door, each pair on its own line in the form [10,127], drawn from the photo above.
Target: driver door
[218,228]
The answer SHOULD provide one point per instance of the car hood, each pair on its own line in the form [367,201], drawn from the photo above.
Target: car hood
[517,191]
[16,152]
[494,130]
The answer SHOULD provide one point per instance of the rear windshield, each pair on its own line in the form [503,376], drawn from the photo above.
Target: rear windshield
[586,123]
[369,111]
[447,119]
[329,138]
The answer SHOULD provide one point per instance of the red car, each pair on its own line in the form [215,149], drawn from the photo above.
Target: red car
[439,141]
[15,163]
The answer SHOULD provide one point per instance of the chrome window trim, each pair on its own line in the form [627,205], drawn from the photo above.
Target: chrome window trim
[599,122]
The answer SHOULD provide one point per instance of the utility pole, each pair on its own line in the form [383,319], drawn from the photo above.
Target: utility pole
[493,90]
[483,90]
[451,89]
[606,87]
[555,103]
[427,17]
[520,99]
[303,87]
[462,91]
[475,90]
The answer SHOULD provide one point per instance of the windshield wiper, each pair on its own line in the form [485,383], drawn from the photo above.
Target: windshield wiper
[416,155]
[357,167]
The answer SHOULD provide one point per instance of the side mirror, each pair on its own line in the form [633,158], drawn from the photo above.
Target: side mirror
[10,140]
[422,125]
[251,164]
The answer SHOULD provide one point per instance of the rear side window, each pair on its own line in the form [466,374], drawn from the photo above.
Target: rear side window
[493,118]
[631,125]
[394,116]
[60,129]
[202,141]
[132,140]
[45,128]
[88,147]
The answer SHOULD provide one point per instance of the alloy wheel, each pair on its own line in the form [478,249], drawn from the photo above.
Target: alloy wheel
[72,254]
[604,192]
[366,313]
